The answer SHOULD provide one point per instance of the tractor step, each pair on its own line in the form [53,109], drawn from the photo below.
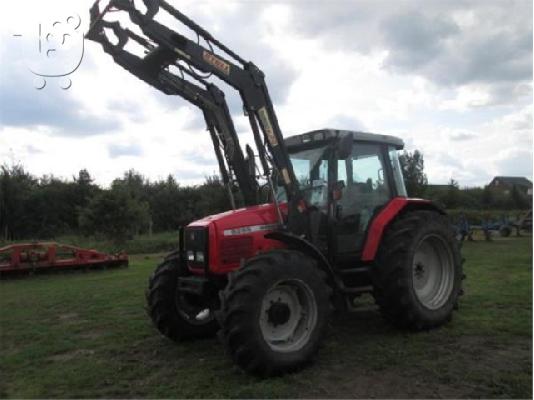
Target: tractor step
[350,271]
[356,290]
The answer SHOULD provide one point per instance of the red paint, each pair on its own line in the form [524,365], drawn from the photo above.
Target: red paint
[220,263]
[379,223]
[37,256]
[250,216]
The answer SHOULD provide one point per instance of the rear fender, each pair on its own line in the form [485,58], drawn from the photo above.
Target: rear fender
[386,216]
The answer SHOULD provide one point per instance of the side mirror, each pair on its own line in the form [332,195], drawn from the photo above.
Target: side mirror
[344,146]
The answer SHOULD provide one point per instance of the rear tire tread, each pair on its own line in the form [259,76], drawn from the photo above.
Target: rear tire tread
[392,283]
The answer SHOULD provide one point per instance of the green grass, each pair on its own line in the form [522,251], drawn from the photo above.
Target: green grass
[86,335]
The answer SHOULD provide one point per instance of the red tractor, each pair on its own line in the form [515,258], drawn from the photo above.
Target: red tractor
[338,222]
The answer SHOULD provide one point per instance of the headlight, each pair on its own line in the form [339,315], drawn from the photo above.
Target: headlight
[190,256]
[196,245]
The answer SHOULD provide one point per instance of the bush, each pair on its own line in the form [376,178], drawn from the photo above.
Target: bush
[115,215]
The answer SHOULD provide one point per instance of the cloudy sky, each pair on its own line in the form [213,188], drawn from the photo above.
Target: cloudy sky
[452,78]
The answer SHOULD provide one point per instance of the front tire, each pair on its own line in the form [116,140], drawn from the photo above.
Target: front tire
[274,313]
[176,315]
[417,279]
[505,231]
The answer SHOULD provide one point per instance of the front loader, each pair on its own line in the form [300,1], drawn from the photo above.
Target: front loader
[339,223]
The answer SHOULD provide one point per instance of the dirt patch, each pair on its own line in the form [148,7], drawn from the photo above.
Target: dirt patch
[451,367]
[71,355]
[70,319]
[68,316]
[95,334]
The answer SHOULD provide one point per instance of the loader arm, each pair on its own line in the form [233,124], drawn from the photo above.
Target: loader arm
[243,76]
[210,99]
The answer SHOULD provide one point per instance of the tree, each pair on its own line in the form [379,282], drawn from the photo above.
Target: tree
[114,214]
[415,179]
[214,196]
[16,187]
[519,200]
[486,199]
[167,206]
[452,197]
[135,183]
[84,178]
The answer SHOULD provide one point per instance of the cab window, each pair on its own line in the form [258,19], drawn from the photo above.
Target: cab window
[366,186]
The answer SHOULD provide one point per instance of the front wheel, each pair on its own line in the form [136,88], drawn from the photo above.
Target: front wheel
[274,312]
[505,231]
[177,315]
[417,279]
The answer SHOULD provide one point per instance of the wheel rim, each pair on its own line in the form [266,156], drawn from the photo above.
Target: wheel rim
[433,272]
[193,309]
[288,315]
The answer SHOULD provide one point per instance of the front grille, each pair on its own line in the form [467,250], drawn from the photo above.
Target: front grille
[196,246]
[235,249]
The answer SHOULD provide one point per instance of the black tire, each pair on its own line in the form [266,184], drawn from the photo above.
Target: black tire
[505,231]
[244,319]
[395,275]
[164,309]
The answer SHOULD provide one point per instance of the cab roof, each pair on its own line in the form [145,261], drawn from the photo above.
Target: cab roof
[327,134]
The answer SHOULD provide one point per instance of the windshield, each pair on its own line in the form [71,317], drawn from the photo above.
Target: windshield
[311,169]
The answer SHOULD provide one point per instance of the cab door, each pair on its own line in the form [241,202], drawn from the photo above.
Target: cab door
[365,188]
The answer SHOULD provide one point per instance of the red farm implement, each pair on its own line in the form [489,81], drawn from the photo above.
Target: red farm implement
[30,257]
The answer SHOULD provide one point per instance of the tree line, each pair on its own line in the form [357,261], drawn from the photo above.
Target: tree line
[451,196]
[47,207]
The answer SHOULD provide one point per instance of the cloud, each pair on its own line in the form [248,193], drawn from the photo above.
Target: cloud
[452,44]
[200,158]
[414,39]
[22,105]
[132,110]
[495,57]
[515,162]
[31,149]
[121,150]
[185,174]
[462,136]
[451,78]
[196,122]
[345,122]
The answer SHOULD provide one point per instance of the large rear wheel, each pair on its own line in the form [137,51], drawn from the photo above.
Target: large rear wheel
[274,312]
[417,279]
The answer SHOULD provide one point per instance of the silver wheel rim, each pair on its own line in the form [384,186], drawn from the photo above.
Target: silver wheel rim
[288,315]
[433,272]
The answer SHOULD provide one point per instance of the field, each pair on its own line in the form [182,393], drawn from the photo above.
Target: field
[86,335]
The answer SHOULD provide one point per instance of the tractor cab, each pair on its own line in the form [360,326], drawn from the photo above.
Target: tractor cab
[346,178]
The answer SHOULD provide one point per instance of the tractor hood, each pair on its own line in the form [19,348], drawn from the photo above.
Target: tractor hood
[224,240]
[242,218]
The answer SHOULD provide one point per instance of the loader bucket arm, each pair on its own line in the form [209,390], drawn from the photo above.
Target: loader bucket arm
[243,76]
[210,99]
